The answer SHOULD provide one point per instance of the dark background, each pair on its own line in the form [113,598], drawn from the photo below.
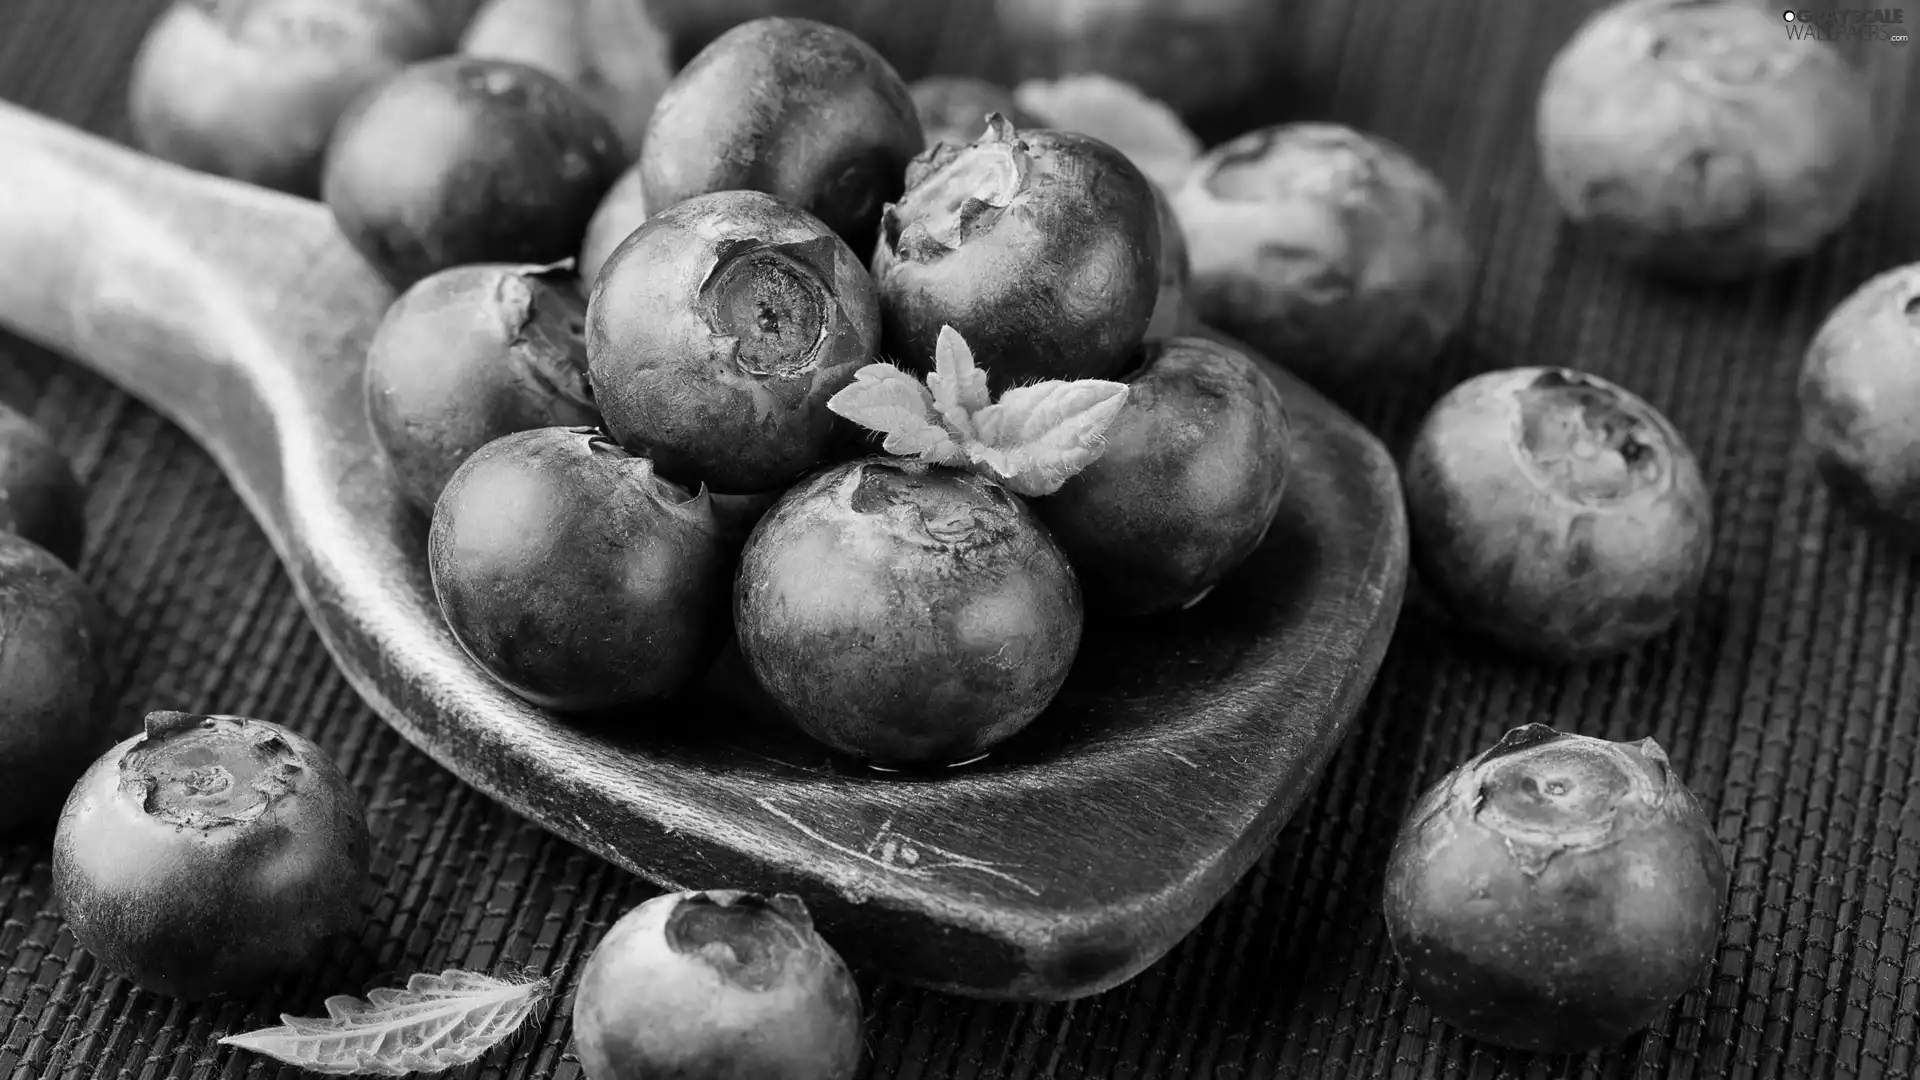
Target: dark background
[1787,698]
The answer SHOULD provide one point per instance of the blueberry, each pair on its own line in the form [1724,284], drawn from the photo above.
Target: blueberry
[1196,55]
[464,160]
[1042,248]
[1697,137]
[1331,251]
[470,354]
[717,985]
[573,575]
[695,24]
[717,331]
[211,854]
[40,497]
[1860,395]
[1556,893]
[622,210]
[610,51]
[1189,482]
[1173,313]
[791,107]
[905,613]
[1556,512]
[1152,135]
[252,89]
[954,108]
[54,707]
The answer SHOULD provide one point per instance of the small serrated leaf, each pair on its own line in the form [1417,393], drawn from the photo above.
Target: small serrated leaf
[959,386]
[1054,412]
[436,1023]
[1035,438]
[1026,473]
[933,446]
[997,463]
[879,393]
[888,400]
[1032,440]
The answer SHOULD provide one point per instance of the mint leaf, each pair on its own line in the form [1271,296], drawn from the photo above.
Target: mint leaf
[886,399]
[1025,471]
[1053,413]
[996,464]
[1031,441]
[1036,437]
[438,1022]
[959,386]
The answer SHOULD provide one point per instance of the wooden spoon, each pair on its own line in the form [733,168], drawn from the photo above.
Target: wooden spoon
[1061,865]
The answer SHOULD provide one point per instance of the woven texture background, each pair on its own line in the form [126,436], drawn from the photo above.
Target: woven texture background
[1789,699]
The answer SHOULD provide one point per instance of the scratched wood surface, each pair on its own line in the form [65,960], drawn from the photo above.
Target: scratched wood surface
[1788,698]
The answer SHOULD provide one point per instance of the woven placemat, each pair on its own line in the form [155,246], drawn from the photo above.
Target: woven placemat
[1789,699]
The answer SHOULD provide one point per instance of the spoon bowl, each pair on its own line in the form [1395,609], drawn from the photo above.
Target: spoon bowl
[1060,865]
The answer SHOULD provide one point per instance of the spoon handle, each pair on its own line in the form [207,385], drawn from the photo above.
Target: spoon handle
[243,316]
[208,299]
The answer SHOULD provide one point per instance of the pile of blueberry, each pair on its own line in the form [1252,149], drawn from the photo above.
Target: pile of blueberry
[888,413]
[896,385]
